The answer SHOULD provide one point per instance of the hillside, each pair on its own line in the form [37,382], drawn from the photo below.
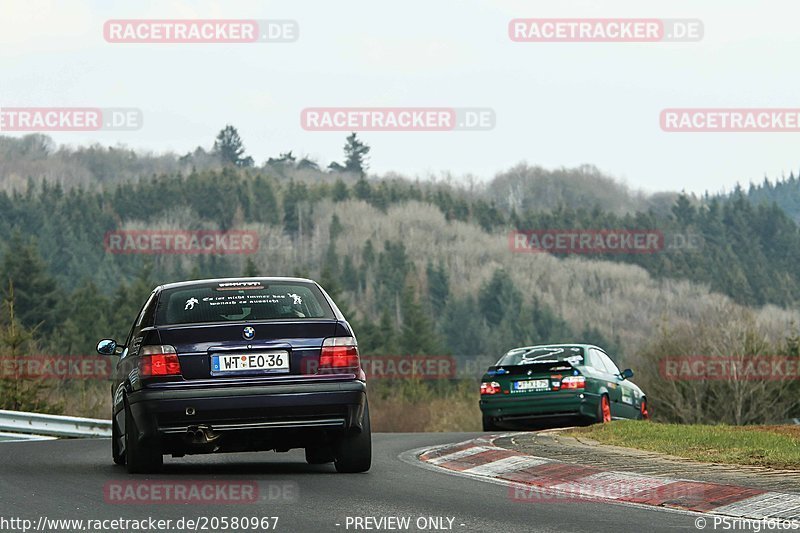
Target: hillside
[785,193]
[420,267]
[381,242]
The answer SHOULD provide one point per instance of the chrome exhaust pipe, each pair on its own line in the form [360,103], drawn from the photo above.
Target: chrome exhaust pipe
[201,435]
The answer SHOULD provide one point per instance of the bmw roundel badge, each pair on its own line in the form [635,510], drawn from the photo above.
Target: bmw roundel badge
[249,333]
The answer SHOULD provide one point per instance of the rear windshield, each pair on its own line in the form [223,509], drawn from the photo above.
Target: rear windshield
[541,354]
[232,301]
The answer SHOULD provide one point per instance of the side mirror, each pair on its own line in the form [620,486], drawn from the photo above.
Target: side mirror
[627,373]
[107,347]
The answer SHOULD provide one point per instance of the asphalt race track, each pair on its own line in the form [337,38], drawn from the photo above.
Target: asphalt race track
[66,479]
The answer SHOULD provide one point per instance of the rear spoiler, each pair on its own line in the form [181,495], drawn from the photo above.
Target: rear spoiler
[537,367]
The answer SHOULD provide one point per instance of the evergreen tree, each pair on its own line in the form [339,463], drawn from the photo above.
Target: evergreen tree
[362,189]
[229,148]
[330,282]
[438,285]
[417,336]
[265,205]
[377,338]
[36,293]
[335,228]
[350,279]
[463,329]
[380,197]
[393,268]
[340,192]
[499,298]
[683,210]
[86,321]
[127,301]
[291,210]
[355,155]
[368,253]
[16,343]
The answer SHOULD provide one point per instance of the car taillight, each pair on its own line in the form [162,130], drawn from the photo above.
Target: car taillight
[490,388]
[573,382]
[157,361]
[339,354]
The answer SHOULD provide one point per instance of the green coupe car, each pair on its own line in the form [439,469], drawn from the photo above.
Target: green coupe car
[578,381]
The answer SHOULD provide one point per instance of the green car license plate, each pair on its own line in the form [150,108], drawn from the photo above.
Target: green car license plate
[532,384]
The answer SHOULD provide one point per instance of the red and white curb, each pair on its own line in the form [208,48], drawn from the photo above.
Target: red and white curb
[536,479]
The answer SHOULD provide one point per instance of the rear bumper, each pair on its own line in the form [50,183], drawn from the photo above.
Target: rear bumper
[551,404]
[247,417]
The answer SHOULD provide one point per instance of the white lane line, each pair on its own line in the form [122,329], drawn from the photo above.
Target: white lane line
[769,504]
[443,448]
[17,437]
[461,454]
[505,465]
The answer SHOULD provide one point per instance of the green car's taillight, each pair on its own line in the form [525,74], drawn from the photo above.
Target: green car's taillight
[573,382]
[490,388]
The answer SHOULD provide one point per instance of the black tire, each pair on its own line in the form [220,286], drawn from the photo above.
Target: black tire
[319,455]
[139,458]
[117,456]
[488,424]
[354,449]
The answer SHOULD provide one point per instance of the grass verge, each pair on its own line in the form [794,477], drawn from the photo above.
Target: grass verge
[770,446]
[415,405]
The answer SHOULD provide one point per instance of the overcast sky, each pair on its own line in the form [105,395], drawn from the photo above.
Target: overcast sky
[557,104]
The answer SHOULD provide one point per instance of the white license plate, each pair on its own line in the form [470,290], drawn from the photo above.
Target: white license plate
[261,362]
[532,384]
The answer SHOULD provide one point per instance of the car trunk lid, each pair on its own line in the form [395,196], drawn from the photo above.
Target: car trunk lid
[532,378]
[211,350]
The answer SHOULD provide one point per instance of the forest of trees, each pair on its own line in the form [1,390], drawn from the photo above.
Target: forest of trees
[420,267]
[785,193]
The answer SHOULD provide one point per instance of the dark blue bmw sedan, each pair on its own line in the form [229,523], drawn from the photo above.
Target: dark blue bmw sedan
[245,364]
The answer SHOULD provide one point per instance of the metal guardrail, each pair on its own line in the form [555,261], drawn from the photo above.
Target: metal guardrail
[39,425]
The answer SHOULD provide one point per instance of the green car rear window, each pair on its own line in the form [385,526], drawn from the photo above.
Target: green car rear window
[541,354]
[241,301]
